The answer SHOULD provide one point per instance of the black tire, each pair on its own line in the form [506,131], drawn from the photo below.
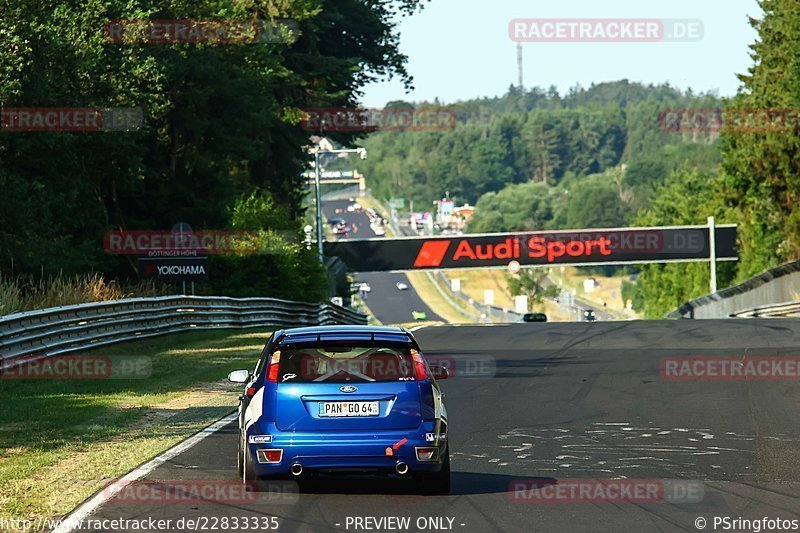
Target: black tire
[438,483]
[249,473]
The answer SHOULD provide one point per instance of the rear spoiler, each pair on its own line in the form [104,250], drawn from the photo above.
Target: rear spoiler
[360,338]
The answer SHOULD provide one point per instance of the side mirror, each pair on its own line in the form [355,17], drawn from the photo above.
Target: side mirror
[439,372]
[239,376]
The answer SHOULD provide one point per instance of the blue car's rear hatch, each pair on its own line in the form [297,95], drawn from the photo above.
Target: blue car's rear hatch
[338,382]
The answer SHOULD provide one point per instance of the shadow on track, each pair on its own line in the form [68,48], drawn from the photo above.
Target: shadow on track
[463,484]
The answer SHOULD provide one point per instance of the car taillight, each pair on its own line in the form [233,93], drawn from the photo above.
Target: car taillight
[270,456]
[272,370]
[420,370]
[427,454]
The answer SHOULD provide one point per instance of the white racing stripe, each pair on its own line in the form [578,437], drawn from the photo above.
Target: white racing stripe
[72,522]
[254,409]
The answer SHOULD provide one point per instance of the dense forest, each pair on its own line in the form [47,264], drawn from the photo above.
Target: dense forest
[539,136]
[220,146]
[603,156]
[597,157]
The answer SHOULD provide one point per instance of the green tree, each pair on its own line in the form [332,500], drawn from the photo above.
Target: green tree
[762,168]
[220,120]
[686,197]
[596,203]
[526,206]
[531,282]
[275,264]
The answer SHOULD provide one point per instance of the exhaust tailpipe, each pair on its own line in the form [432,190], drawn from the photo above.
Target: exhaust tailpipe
[296,469]
[401,468]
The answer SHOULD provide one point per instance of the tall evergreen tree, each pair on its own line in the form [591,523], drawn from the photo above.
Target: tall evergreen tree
[762,168]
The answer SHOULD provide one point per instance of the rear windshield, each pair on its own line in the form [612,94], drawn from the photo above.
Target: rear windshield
[345,364]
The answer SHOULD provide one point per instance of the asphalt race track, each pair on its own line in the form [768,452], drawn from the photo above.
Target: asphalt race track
[390,305]
[561,401]
[385,301]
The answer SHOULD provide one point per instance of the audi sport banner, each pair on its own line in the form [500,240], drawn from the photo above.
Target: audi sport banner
[174,269]
[573,247]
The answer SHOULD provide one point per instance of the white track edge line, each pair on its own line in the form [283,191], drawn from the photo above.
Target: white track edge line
[73,521]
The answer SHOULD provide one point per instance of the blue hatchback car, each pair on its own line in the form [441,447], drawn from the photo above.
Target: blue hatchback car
[344,399]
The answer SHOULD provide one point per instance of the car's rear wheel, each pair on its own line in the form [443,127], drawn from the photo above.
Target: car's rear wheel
[249,473]
[438,482]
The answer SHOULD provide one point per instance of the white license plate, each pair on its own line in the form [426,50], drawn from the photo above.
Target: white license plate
[349,409]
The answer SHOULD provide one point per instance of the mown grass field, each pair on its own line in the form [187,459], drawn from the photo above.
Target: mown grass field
[62,440]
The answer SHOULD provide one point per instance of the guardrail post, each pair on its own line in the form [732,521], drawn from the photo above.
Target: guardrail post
[712,245]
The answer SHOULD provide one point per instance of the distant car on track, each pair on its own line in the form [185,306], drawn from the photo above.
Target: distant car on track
[589,315]
[534,317]
[419,315]
[401,286]
[343,399]
[341,230]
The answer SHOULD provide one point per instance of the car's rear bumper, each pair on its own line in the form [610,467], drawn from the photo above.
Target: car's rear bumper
[378,451]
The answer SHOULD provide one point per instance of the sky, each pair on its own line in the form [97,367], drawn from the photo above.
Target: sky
[461,49]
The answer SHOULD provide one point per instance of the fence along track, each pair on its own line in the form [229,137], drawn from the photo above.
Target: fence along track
[60,330]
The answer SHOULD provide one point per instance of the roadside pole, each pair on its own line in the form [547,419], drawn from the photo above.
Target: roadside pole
[319,207]
[712,245]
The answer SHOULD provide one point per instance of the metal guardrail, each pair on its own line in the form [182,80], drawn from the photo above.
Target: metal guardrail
[768,289]
[775,310]
[60,330]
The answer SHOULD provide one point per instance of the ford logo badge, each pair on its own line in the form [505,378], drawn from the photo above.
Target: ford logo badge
[348,388]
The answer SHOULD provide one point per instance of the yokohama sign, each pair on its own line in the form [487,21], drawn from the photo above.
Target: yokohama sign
[575,247]
[174,268]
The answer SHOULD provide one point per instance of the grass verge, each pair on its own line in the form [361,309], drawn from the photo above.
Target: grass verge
[28,293]
[63,440]
[608,291]
[438,304]
[475,281]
